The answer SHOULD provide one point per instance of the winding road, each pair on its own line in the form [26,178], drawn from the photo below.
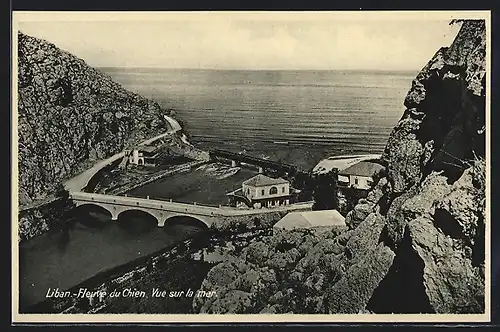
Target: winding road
[79,182]
[161,210]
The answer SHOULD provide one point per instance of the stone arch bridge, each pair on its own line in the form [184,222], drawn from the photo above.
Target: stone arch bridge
[160,210]
[164,210]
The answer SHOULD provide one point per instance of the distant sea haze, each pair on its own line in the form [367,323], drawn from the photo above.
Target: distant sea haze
[298,116]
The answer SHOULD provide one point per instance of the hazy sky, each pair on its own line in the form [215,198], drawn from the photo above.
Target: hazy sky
[230,41]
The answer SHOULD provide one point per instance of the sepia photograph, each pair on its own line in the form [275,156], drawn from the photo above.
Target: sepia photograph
[251,166]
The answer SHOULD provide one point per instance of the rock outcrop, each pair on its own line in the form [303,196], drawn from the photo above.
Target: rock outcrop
[69,116]
[443,124]
[286,272]
[416,243]
[367,205]
[434,206]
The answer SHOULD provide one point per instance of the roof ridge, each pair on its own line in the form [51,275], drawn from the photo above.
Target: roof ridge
[264,180]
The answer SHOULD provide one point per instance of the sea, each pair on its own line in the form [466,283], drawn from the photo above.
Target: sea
[297,117]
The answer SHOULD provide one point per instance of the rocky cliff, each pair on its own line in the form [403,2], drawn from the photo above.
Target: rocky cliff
[433,204]
[69,116]
[416,243]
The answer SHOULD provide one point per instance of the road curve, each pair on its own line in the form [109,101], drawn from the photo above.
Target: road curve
[79,182]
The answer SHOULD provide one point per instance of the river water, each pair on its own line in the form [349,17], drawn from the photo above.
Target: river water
[89,244]
[298,117]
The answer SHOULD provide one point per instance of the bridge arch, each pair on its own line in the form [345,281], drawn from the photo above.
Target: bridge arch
[93,206]
[189,219]
[137,221]
[158,215]
[159,210]
[88,215]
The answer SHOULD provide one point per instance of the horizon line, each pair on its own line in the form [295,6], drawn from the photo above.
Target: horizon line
[259,69]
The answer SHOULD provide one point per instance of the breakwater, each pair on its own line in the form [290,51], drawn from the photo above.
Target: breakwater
[179,169]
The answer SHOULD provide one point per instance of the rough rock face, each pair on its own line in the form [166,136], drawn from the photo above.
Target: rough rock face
[434,210]
[352,293]
[416,243]
[70,115]
[368,205]
[288,271]
[445,113]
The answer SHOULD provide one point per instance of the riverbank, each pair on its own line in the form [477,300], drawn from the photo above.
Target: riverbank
[38,220]
[79,244]
[90,244]
[205,184]
[81,237]
[118,274]
[116,181]
[176,268]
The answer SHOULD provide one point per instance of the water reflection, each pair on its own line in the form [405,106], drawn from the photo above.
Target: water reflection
[136,222]
[184,226]
[88,216]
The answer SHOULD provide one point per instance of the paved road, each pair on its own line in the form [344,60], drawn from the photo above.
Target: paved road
[80,181]
[76,185]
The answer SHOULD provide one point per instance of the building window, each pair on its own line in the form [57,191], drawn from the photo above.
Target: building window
[273,191]
[248,191]
[356,181]
[263,192]
[283,189]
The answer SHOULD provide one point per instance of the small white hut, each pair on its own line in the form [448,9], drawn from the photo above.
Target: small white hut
[310,219]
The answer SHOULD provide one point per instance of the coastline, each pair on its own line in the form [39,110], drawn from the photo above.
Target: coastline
[96,177]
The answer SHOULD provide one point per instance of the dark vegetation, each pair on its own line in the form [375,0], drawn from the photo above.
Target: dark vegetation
[326,191]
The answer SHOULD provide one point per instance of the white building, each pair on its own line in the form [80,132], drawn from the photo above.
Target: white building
[144,155]
[359,176]
[263,191]
[342,162]
[309,219]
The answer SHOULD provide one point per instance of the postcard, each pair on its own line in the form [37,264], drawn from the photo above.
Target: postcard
[251,166]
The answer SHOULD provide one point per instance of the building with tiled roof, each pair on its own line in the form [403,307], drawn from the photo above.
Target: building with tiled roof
[263,191]
[359,175]
[261,180]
